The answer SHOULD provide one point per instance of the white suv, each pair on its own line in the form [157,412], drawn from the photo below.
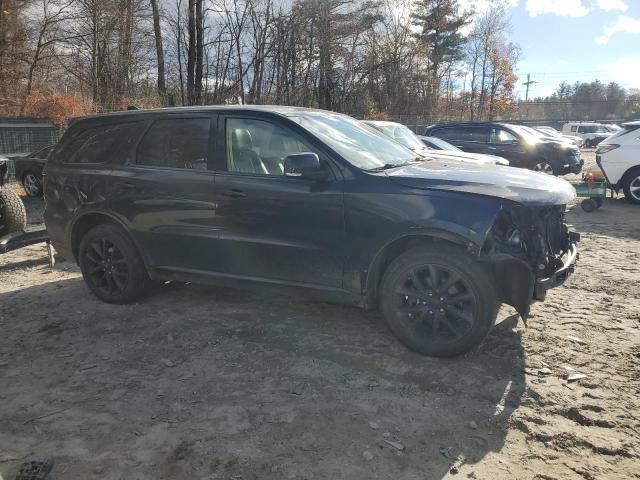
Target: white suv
[619,159]
[592,133]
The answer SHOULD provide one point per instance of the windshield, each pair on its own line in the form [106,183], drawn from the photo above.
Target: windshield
[529,134]
[548,132]
[440,144]
[403,135]
[356,142]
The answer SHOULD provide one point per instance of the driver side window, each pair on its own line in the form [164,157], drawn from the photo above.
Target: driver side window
[502,136]
[259,147]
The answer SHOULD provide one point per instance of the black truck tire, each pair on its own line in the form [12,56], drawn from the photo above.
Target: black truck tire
[13,216]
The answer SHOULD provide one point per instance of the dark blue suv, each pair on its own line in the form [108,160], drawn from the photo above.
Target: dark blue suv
[308,199]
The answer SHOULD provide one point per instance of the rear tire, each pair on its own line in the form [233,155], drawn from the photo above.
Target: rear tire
[111,265]
[13,216]
[32,184]
[631,186]
[438,303]
[588,205]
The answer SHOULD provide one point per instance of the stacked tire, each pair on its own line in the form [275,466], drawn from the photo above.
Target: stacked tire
[13,216]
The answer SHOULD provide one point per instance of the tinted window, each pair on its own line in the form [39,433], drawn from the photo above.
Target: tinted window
[176,143]
[446,133]
[98,144]
[257,146]
[463,134]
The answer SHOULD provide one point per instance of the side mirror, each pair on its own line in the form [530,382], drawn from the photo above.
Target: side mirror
[304,165]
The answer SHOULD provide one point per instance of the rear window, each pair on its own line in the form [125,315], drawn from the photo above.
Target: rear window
[625,131]
[98,144]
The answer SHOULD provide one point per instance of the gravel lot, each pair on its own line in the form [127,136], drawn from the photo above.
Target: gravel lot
[197,382]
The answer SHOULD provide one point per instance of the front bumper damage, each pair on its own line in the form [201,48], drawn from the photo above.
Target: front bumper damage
[529,251]
[562,273]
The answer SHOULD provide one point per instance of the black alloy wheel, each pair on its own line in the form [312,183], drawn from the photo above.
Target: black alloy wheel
[438,303]
[107,267]
[111,265]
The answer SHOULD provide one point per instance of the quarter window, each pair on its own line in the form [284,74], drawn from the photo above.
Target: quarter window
[259,147]
[99,144]
[176,143]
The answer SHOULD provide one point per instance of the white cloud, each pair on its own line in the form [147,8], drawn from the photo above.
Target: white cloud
[612,5]
[626,70]
[623,25]
[568,8]
[563,62]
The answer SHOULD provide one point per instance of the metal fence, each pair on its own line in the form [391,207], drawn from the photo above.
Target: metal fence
[25,135]
[21,136]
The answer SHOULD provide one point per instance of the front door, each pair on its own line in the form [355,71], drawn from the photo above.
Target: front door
[507,145]
[274,227]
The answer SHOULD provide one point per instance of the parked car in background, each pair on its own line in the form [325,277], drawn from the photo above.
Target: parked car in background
[28,169]
[619,159]
[613,128]
[591,133]
[406,137]
[438,144]
[517,144]
[552,132]
[310,199]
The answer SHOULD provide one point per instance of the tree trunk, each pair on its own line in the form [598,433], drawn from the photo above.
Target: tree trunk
[199,53]
[191,53]
[162,86]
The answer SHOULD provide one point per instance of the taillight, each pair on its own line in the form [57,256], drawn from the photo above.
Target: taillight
[606,148]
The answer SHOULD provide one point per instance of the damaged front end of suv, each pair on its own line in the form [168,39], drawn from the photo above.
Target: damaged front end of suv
[530,249]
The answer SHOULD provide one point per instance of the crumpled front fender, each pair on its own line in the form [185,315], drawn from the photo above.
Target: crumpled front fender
[514,281]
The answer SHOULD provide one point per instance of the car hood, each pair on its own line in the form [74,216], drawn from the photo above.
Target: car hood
[515,184]
[456,157]
[466,157]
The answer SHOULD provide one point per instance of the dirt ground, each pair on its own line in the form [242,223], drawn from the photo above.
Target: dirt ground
[197,382]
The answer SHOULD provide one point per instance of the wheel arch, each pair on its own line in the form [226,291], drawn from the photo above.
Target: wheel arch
[382,259]
[628,172]
[87,221]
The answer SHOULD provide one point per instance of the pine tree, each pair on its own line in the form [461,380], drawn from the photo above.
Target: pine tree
[441,22]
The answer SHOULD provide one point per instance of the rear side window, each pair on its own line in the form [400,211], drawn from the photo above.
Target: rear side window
[176,143]
[463,134]
[446,133]
[98,144]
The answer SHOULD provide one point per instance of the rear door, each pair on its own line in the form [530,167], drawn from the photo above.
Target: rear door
[274,227]
[166,193]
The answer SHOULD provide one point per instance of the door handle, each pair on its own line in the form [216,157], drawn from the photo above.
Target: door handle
[234,193]
[128,186]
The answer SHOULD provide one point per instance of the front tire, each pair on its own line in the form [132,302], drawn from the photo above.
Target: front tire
[13,216]
[545,167]
[111,265]
[440,303]
[631,186]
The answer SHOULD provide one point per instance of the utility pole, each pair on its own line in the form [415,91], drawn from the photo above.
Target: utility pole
[528,83]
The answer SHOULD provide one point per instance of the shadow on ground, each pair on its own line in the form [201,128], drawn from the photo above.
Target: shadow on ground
[210,383]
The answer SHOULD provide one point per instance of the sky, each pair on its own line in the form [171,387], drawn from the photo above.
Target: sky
[574,40]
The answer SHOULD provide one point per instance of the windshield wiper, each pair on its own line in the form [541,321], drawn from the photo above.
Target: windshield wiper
[388,166]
